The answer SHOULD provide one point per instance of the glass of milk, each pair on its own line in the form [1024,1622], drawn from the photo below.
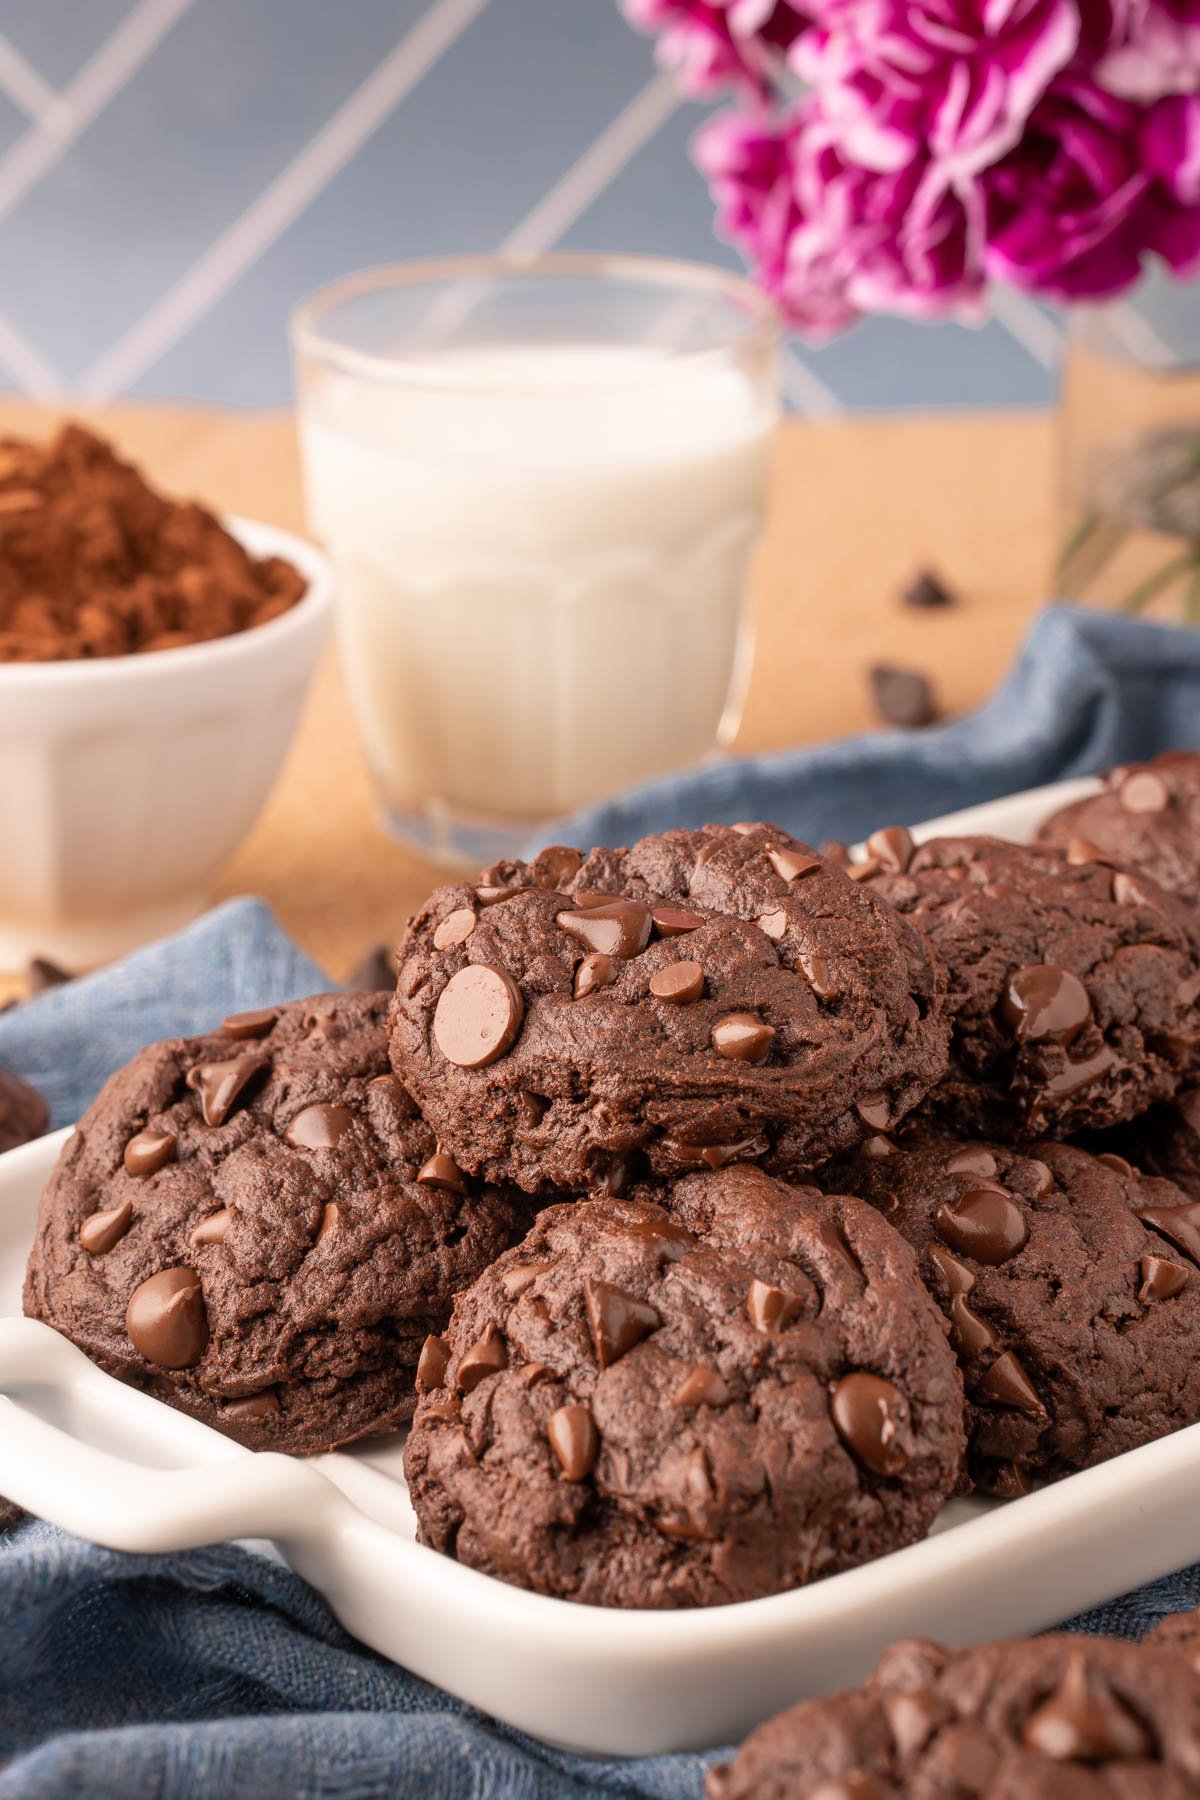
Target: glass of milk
[540,483]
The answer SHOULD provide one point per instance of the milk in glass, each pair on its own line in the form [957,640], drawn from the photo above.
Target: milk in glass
[542,555]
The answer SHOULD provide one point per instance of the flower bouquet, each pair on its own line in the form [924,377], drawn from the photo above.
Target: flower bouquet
[903,158]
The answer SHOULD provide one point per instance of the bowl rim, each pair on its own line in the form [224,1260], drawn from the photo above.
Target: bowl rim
[260,539]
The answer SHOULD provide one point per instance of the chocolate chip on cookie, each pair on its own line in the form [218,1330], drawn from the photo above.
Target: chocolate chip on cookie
[1072,1288]
[705,997]
[24,1115]
[642,1409]
[1147,817]
[258,1227]
[1074,989]
[1043,1718]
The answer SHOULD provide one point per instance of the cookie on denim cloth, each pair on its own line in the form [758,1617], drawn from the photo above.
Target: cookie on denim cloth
[638,1408]
[1146,817]
[1072,1288]
[24,1115]
[257,1227]
[706,997]
[1060,1717]
[1074,987]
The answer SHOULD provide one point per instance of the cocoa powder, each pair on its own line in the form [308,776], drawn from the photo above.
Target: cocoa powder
[93,562]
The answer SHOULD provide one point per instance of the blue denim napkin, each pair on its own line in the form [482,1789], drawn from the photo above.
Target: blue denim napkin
[218,1674]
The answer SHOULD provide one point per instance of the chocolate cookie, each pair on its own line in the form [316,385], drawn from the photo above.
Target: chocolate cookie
[1052,1718]
[1163,1141]
[1074,987]
[707,997]
[1072,1289]
[23,1113]
[642,1409]
[1147,817]
[1180,1633]
[257,1227]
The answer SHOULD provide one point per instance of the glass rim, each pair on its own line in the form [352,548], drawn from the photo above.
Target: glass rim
[759,329]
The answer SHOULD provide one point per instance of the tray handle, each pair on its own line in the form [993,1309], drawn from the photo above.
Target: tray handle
[123,1504]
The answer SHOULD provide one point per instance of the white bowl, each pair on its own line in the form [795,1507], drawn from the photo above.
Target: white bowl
[125,782]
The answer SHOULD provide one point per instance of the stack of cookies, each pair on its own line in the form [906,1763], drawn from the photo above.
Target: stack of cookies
[719,1207]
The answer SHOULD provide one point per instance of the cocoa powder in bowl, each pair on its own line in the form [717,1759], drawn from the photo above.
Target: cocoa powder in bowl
[94,563]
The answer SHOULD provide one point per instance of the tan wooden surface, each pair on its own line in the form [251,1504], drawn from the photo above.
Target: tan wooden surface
[858,506]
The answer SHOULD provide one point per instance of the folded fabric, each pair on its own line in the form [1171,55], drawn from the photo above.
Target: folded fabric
[69,1040]
[218,1673]
[1088,690]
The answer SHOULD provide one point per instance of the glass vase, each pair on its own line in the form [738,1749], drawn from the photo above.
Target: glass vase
[1130,453]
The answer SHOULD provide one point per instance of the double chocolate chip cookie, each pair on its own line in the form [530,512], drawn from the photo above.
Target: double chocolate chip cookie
[23,1113]
[1072,1288]
[1147,817]
[707,997]
[1179,1632]
[642,1409]
[257,1227]
[1074,987]
[1163,1141]
[1051,1718]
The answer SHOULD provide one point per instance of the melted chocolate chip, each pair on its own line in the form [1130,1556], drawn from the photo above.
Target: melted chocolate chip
[1180,1225]
[572,1435]
[831,1236]
[971,1160]
[816,972]
[478,1017]
[791,864]
[1144,792]
[521,1276]
[674,921]
[984,1224]
[874,1109]
[486,1356]
[249,1024]
[769,1308]
[1084,1721]
[556,867]
[166,1319]
[211,1230]
[1161,1279]
[892,848]
[432,1364]
[871,1417]
[1045,1004]
[149,1152]
[255,1406]
[702,1386]
[1007,1384]
[681,983]
[743,1037]
[441,1171]
[710,1156]
[103,1230]
[320,1127]
[330,1214]
[617,1320]
[595,972]
[454,929]
[619,928]
[224,1086]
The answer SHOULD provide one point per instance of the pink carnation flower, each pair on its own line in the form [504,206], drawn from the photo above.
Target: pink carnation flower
[953,79]
[1075,206]
[710,44]
[1154,51]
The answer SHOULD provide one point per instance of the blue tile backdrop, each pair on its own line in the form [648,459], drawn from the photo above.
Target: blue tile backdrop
[174,174]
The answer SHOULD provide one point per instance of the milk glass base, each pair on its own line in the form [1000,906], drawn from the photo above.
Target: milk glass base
[541,485]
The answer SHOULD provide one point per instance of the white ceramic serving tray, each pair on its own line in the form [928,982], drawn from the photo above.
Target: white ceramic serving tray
[113,1465]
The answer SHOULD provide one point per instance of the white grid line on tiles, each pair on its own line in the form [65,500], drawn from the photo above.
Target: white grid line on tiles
[595,170]
[22,83]
[1030,327]
[294,189]
[84,98]
[28,367]
[803,388]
